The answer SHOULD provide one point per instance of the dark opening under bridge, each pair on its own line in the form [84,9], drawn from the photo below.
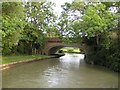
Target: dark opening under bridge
[52,45]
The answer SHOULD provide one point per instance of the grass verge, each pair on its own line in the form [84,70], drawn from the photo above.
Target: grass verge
[10,59]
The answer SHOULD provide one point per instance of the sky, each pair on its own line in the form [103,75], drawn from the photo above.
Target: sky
[57,8]
[58,3]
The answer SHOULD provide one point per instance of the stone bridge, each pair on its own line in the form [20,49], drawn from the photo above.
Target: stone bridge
[54,44]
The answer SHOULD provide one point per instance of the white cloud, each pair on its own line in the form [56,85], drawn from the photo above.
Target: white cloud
[57,8]
[58,3]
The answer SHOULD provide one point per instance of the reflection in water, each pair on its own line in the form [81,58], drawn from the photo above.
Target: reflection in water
[72,60]
[69,71]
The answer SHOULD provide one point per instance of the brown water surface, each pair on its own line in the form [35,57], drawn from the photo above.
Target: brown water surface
[69,71]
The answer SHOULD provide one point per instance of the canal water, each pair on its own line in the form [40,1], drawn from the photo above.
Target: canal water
[69,71]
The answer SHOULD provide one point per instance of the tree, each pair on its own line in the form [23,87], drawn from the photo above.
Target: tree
[13,24]
[69,21]
[0,27]
[40,20]
[40,14]
[97,20]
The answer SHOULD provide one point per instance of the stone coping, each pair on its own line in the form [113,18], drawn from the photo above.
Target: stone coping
[6,66]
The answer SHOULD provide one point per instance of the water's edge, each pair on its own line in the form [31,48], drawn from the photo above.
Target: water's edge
[6,66]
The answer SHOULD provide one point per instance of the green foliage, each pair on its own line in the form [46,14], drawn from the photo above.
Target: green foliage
[52,32]
[32,38]
[63,24]
[96,26]
[97,20]
[13,9]
[24,37]
[68,24]
[78,6]
[109,58]
[40,20]
[40,14]
[76,31]
[79,22]
[12,26]
[33,34]
[69,50]
[60,51]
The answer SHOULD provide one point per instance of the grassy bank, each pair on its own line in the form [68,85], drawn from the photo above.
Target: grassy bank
[10,59]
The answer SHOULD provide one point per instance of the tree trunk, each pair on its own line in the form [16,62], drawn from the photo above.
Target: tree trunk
[97,39]
[35,50]
[31,48]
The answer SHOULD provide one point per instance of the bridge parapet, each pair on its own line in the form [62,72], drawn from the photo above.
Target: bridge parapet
[54,40]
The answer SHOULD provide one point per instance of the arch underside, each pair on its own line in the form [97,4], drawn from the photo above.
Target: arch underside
[53,50]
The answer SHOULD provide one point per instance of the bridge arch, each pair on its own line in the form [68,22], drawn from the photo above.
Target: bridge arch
[52,49]
[54,44]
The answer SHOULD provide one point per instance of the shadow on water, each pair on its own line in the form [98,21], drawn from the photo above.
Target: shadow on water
[57,55]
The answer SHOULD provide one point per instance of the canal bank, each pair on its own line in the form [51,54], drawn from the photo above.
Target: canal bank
[9,62]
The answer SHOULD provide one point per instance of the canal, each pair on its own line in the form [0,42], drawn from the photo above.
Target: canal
[69,71]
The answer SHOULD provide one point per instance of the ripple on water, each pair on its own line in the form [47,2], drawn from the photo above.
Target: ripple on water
[69,71]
